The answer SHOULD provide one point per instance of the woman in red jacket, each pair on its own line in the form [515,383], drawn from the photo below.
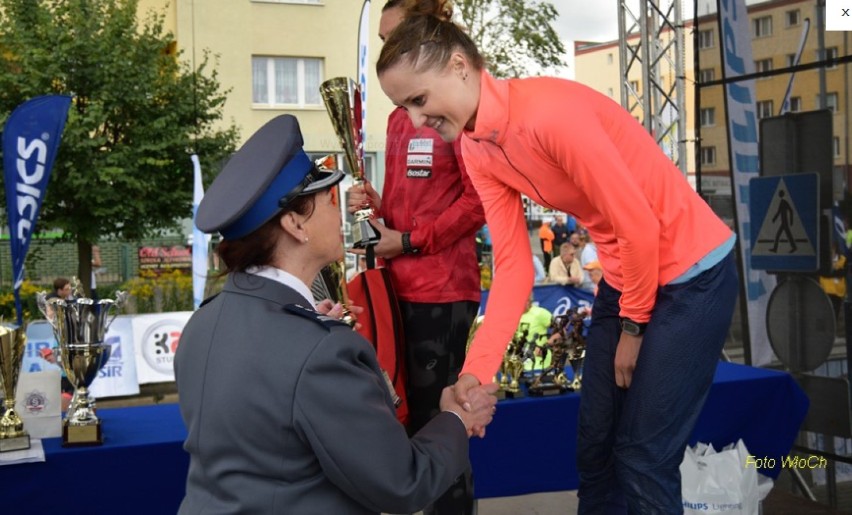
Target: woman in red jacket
[665,303]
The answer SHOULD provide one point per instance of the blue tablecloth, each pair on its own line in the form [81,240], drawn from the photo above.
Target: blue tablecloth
[141,468]
[531,444]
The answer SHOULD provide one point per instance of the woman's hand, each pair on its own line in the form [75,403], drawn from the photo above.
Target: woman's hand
[475,419]
[626,355]
[389,245]
[335,310]
[362,196]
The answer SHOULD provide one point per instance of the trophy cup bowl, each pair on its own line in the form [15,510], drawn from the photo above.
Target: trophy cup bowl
[342,98]
[13,341]
[80,327]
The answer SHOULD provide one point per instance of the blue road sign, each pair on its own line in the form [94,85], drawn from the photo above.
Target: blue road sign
[784,213]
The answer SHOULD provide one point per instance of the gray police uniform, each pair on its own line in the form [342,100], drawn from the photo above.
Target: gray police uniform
[288,412]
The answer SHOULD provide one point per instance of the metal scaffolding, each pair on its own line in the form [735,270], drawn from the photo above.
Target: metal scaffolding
[650,39]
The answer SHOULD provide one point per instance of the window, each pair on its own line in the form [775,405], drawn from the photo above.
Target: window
[830,102]
[792,18]
[286,81]
[836,145]
[634,86]
[705,39]
[790,59]
[706,75]
[708,117]
[763,65]
[708,156]
[831,54]
[762,27]
[795,104]
[764,109]
[610,92]
[608,58]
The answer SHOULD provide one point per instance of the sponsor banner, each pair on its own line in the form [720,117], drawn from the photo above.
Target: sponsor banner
[40,340]
[200,241]
[744,158]
[118,375]
[363,64]
[31,139]
[555,298]
[156,338]
[164,259]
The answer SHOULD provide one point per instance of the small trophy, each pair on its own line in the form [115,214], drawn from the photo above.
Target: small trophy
[342,97]
[13,341]
[80,326]
[570,346]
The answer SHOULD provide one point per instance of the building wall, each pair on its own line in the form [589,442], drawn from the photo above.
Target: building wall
[234,31]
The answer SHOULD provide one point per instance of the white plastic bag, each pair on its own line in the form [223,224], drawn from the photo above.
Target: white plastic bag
[718,482]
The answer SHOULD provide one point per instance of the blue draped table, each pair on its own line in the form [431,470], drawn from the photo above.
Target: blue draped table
[530,446]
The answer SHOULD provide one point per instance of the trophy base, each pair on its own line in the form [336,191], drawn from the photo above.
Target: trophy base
[546,390]
[364,234]
[515,395]
[81,436]
[16,443]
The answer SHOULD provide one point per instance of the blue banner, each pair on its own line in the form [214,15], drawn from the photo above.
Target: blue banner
[553,297]
[30,140]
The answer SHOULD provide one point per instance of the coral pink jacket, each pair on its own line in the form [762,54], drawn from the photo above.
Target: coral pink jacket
[573,149]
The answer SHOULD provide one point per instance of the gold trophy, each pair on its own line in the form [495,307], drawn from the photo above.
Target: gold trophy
[342,97]
[13,341]
[80,326]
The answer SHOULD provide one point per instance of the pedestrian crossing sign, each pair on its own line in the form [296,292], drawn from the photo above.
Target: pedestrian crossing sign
[784,211]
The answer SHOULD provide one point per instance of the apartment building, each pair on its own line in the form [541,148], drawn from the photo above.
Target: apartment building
[777,27]
[272,55]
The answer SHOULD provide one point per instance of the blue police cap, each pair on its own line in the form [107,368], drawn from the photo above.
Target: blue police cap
[267,172]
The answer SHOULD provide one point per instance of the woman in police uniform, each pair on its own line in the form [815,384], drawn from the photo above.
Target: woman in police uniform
[286,409]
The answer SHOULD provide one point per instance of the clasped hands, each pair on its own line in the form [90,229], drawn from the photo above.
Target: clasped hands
[474,403]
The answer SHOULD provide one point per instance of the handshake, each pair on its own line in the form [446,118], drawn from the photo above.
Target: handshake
[473,403]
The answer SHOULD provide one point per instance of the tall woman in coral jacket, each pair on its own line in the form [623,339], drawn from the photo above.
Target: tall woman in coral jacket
[666,300]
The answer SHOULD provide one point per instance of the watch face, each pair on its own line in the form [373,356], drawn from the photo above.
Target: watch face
[631,328]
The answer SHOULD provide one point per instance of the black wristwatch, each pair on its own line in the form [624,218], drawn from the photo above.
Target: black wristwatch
[406,244]
[632,328]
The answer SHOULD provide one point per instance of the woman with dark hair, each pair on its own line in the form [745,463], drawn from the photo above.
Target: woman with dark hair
[287,410]
[665,304]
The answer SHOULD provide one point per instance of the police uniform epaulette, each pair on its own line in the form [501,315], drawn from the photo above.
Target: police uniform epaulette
[310,314]
[208,299]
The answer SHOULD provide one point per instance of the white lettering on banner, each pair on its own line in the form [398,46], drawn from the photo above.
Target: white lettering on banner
[415,160]
[29,195]
[421,145]
[565,303]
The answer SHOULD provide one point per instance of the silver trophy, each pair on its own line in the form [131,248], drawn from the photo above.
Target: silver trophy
[80,326]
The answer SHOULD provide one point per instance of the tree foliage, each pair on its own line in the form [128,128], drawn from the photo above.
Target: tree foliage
[123,169]
[515,36]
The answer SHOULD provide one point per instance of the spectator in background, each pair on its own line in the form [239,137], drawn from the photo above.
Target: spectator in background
[540,275]
[61,289]
[546,237]
[566,269]
[588,252]
[96,269]
[574,239]
[561,233]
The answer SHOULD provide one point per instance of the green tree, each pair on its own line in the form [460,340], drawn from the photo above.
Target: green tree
[123,169]
[515,36]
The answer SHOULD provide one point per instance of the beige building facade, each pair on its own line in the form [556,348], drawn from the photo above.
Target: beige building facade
[271,56]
